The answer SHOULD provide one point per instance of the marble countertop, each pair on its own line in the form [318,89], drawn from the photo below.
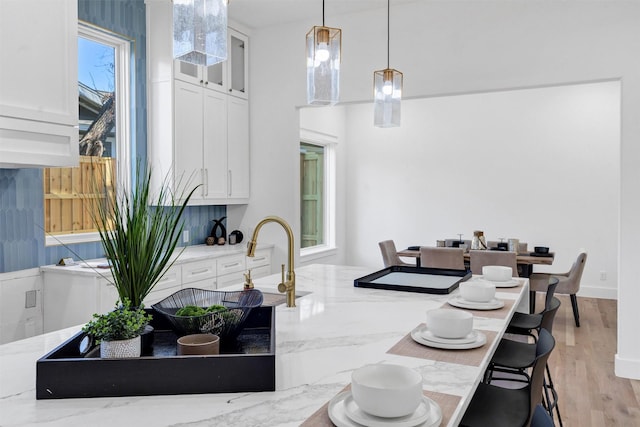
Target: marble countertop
[334,329]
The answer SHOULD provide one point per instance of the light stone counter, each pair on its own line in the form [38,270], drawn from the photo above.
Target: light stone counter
[333,330]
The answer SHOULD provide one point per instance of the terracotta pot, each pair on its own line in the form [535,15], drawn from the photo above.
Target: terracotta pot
[121,348]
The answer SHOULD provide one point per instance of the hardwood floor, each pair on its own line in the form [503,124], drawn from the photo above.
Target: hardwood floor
[582,367]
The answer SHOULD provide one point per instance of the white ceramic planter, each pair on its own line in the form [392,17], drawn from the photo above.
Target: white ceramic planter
[123,348]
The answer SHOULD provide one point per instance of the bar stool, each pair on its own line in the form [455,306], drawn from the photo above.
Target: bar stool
[496,406]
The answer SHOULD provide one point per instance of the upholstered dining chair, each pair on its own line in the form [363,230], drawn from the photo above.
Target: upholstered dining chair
[451,258]
[495,406]
[569,283]
[479,259]
[390,254]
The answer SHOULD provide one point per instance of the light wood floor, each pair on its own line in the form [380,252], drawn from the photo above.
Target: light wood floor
[582,367]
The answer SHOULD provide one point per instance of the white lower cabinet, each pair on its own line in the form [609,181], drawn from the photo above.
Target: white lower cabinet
[71,295]
[21,298]
[199,274]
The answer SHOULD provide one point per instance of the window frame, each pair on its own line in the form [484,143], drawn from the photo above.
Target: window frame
[328,142]
[122,77]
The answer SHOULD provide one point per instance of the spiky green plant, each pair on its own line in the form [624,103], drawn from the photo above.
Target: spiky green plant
[139,233]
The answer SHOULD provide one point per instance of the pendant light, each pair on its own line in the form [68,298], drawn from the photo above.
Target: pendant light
[200,31]
[323,64]
[387,92]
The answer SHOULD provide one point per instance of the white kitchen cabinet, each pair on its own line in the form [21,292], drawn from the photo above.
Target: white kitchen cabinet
[198,122]
[21,299]
[70,295]
[260,264]
[38,110]
[230,76]
[199,274]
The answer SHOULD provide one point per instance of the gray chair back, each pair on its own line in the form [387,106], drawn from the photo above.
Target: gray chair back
[479,259]
[451,258]
[390,254]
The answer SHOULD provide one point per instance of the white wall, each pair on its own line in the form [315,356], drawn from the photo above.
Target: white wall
[540,165]
[448,48]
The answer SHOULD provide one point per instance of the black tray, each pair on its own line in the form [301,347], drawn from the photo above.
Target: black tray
[245,364]
[435,280]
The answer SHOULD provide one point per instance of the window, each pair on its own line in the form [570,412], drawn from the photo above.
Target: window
[104,139]
[316,192]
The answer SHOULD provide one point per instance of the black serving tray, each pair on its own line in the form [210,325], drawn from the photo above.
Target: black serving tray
[434,281]
[245,364]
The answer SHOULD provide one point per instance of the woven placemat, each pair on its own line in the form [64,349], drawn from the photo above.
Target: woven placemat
[471,357]
[447,403]
[500,313]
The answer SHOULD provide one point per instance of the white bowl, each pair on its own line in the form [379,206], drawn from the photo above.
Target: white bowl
[386,390]
[448,323]
[477,291]
[497,273]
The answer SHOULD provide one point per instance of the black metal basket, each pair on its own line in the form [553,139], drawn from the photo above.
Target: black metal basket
[226,324]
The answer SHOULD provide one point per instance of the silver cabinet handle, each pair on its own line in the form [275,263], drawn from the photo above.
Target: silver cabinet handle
[206,181]
[204,270]
[229,182]
[254,260]
[231,265]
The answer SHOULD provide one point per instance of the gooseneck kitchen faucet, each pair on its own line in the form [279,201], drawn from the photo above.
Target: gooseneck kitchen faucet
[287,286]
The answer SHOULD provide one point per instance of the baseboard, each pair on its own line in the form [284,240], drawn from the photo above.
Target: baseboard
[627,368]
[596,292]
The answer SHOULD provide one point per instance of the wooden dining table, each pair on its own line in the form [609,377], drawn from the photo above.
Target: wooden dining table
[524,260]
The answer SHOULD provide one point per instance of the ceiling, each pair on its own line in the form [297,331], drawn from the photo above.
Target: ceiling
[265,13]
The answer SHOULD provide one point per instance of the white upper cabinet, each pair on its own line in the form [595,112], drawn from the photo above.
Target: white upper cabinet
[198,116]
[229,76]
[38,83]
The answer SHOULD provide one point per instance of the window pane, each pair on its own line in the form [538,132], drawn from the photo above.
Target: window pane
[311,194]
[71,193]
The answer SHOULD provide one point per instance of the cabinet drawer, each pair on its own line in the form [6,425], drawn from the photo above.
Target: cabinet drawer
[231,264]
[261,259]
[172,278]
[231,279]
[262,271]
[198,270]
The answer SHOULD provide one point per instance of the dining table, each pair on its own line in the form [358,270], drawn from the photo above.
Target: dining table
[334,329]
[525,260]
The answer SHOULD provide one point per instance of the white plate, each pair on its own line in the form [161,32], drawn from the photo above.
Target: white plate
[342,407]
[416,334]
[458,301]
[430,336]
[511,283]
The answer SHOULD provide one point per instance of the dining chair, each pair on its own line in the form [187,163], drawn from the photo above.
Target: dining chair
[479,259]
[492,405]
[569,283]
[526,323]
[515,357]
[390,254]
[451,258]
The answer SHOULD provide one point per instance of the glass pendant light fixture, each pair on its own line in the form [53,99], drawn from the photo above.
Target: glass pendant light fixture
[323,64]
[200,31]
[387,92]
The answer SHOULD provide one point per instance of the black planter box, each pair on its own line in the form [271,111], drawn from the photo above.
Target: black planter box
[414,279]
[245,364]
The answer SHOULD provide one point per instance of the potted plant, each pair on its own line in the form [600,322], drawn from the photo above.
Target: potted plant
[118,331]
[139,233]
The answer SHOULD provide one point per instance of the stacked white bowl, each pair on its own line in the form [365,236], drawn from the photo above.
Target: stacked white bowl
[386,390]
[497,273]
[452,324]
[475,291]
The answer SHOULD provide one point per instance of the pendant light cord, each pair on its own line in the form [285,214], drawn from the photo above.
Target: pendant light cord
[388,30]
[323,13]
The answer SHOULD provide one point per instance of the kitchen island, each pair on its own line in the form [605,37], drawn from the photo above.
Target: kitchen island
[334,329]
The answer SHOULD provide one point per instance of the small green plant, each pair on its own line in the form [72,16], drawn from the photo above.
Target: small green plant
[123,323]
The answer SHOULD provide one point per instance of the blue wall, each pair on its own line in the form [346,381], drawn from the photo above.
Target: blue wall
[21,190]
